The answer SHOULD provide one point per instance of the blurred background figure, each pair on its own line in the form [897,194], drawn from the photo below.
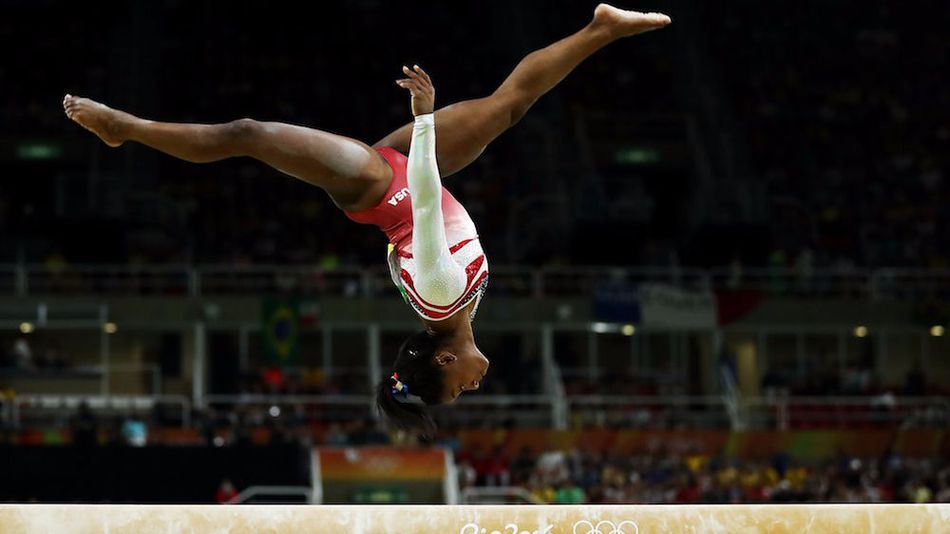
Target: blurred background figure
[134,431]
[226,492]
[23,354]
[84,427]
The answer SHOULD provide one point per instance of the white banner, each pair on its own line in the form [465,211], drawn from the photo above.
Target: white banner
[667,306]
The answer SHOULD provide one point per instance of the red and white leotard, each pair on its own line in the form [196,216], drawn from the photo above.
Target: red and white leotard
[435,257]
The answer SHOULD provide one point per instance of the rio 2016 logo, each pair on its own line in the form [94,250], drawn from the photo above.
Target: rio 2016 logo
[581,527]
[510,528]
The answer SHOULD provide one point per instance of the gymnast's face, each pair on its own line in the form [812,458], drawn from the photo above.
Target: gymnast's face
[462,371]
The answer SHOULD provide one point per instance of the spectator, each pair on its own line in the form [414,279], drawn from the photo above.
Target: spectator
[335,436]
[916,381]
[672,479]
[134,431]
[569,493]
[23,354]
[521,466]
[552,467]
[366,432]
[496,468]
[943,489]
[226,492]
[84,426]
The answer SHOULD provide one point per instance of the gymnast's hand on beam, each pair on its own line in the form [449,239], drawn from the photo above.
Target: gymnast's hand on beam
[420,88]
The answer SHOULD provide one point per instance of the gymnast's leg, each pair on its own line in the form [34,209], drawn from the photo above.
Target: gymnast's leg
[351,172]
[464,129]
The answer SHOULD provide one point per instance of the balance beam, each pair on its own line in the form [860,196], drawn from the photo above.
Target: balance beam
[435,519]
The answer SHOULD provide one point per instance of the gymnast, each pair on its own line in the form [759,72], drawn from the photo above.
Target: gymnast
[435,258]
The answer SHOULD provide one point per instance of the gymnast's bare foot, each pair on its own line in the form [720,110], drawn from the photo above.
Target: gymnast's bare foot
[622,23]
[97,118]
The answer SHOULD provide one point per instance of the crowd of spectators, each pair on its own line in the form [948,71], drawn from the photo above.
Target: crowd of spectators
[676,474]
[847,125]
[681,475]
[581,476]
[852,151]
[296,223]
[245,61]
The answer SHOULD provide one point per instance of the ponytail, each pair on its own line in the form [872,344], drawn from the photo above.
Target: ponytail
[415,384]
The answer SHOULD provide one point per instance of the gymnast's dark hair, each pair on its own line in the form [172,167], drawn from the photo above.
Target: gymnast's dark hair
[415,365]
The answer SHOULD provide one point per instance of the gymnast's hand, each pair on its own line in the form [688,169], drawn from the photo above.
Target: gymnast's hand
[420,87]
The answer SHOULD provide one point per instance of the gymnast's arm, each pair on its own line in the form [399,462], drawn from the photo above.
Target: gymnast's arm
[440,280]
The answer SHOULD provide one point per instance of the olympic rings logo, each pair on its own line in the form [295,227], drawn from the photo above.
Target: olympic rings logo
[606,527]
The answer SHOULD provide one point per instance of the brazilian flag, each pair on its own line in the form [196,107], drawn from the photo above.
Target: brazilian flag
[281,330]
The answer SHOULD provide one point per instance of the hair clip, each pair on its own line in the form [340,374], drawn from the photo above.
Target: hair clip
[399,388]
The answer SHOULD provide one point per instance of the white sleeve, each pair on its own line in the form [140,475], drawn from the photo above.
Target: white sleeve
[439,279]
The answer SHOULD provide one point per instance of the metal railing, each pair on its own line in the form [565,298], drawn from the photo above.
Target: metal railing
[779,412]
[304,495]
[218,280]
[56,408]
[473,410]
[494,411]
[783,412]
[319,408]
[499,495]
[649,412]
[117,379]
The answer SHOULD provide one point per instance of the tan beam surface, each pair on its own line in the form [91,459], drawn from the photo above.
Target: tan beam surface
[420,519]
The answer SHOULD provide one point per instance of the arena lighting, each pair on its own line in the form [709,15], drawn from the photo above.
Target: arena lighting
[628,330]
[38,151]
[274,411]
[600,328]
[110,328]
[861,331]
[937,330]
[26,328]
[637,155]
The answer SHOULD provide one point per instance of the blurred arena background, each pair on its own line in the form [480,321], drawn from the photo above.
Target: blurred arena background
[719,259]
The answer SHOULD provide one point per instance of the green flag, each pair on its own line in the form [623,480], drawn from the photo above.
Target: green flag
[281,330]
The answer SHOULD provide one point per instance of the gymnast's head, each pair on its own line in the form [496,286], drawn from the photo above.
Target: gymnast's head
[430,368]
